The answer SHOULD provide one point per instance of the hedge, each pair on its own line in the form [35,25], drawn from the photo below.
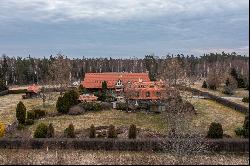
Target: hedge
[18,91]
[229,145]
[233,105]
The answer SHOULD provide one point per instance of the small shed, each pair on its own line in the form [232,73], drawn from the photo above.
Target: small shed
[33,91]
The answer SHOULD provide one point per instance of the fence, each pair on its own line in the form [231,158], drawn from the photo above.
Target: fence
[228,103]
[229,145]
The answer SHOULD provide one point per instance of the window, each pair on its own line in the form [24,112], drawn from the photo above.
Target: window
[147,94]
[137,94]
[158,94]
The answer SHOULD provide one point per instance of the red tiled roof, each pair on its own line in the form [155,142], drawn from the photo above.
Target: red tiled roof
[33,88]
[139,90]
[94,80]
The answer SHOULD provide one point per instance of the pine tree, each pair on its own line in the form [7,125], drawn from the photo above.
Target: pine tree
[21,113]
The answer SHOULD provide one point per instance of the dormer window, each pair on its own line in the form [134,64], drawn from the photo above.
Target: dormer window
[119,83]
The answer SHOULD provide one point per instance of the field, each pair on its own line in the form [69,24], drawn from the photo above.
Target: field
[207,111]
[68,157]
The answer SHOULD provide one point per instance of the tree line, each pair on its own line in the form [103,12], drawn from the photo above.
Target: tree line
[60,68]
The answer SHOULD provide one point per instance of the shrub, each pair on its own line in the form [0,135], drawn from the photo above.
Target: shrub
[91,106]
[82,89]
[102,97]
[68,100]
[121,106]
[2,130]
[132,132]
[29,122]
[76,110]
[70,131]
[18,91]
[41,131]
[246,126]
[31,115]
[51,131]
[112,132]
[60,105]
[245,99]
[39,113]
[92,131]
[106,106]
[215,130]
[213,87]
[240,131]
[20,126]
[21,113]
[204,85]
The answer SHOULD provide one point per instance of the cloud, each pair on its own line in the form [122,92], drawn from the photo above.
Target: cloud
[65,10]
[240,50]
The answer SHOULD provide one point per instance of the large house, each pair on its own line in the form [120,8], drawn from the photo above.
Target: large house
[119,83]
[115,81]
[136,87]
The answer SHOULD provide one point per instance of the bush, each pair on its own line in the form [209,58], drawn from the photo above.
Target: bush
[41,131]
[82,89]
[76,110]
[20,126]
[92,131]
[70,131]
[215,130]
[21,113]
[239,131]
[213,87]
[102,97]
[112,132]
[68,100]
[29,122]
[60,105]
[106,106]
[18,91]
[121,106]
[2,130]
[91,106]
[246,126]
[245,99]
[204,85]
[132,132]
[39,113]
[51,131]
[31,115]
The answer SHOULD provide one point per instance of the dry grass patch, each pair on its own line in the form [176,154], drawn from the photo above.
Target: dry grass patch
[210,111]
[142,120]
[8,105]
[79,157]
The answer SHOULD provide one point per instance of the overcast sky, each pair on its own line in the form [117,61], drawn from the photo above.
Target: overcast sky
[123,28]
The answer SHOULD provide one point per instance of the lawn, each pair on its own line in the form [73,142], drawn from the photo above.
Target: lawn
[9,102]
[117,118]
[207,111]
[80,157]
[210,111]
